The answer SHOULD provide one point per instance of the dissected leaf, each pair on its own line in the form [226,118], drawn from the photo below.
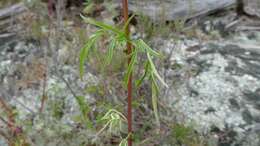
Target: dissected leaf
[146,73]
[119,37]
[114,120]
[83,55]
[85,51]
[155,91]
[130,67]
[111,48]
[154,71]
[145,48]
[103,25]
[123,142]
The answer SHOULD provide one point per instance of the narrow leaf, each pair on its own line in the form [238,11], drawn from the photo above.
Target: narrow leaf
[155,91]
[145,47]
[130,67]
[83,55]
[128,21]
[154,71]
[138,46]
[123,142]
[111,48]
[146,73]
[102,25]
[85,51]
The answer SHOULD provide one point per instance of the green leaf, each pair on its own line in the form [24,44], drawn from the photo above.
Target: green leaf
[130,67]
[127,22]
[113,111]
[122,38]
[89,8]
[154,71]
[144,47]
[111,48]
[146,73]
[123,142]
[155,91]
[138,46]
[82,105]
[114,120]
[83,55]
[85,51]
[102,25]
[84,109]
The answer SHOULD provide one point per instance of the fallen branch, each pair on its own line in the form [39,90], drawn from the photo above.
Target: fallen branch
[177,9]
[12,10]
[8,17]
[248,28]
[6,35]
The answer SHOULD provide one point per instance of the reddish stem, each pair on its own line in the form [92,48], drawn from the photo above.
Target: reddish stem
[44,96]
[9,112]
[129,86]
[50,7]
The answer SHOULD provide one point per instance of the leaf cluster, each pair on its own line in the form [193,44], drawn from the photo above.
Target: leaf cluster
[118,38]
[113,121]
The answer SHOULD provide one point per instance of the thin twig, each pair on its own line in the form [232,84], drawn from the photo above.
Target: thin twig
[8,96]
[248,28]
[24,106]
[4,121]
[8,139]
[67,84]
[44,96]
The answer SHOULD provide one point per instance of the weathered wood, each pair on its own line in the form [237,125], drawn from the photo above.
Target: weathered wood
[7,25]
[12,10]
[177,9]
[8,17]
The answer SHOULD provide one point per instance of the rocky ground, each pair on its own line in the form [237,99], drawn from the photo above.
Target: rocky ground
[216,88]
[213,74]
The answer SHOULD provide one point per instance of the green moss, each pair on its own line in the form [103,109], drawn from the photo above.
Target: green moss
[84,109]
[185,135]
[57,107]
[36,29]
[96,90]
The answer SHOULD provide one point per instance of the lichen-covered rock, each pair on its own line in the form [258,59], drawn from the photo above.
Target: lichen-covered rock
[217,89]
[22,87]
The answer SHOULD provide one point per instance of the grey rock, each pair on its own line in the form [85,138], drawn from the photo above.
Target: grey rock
[252,7]
[223,93]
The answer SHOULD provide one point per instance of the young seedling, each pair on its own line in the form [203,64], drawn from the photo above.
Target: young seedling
[119,37]
[114,121]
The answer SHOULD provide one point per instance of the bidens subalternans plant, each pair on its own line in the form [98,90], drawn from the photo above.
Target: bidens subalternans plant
[117,39]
